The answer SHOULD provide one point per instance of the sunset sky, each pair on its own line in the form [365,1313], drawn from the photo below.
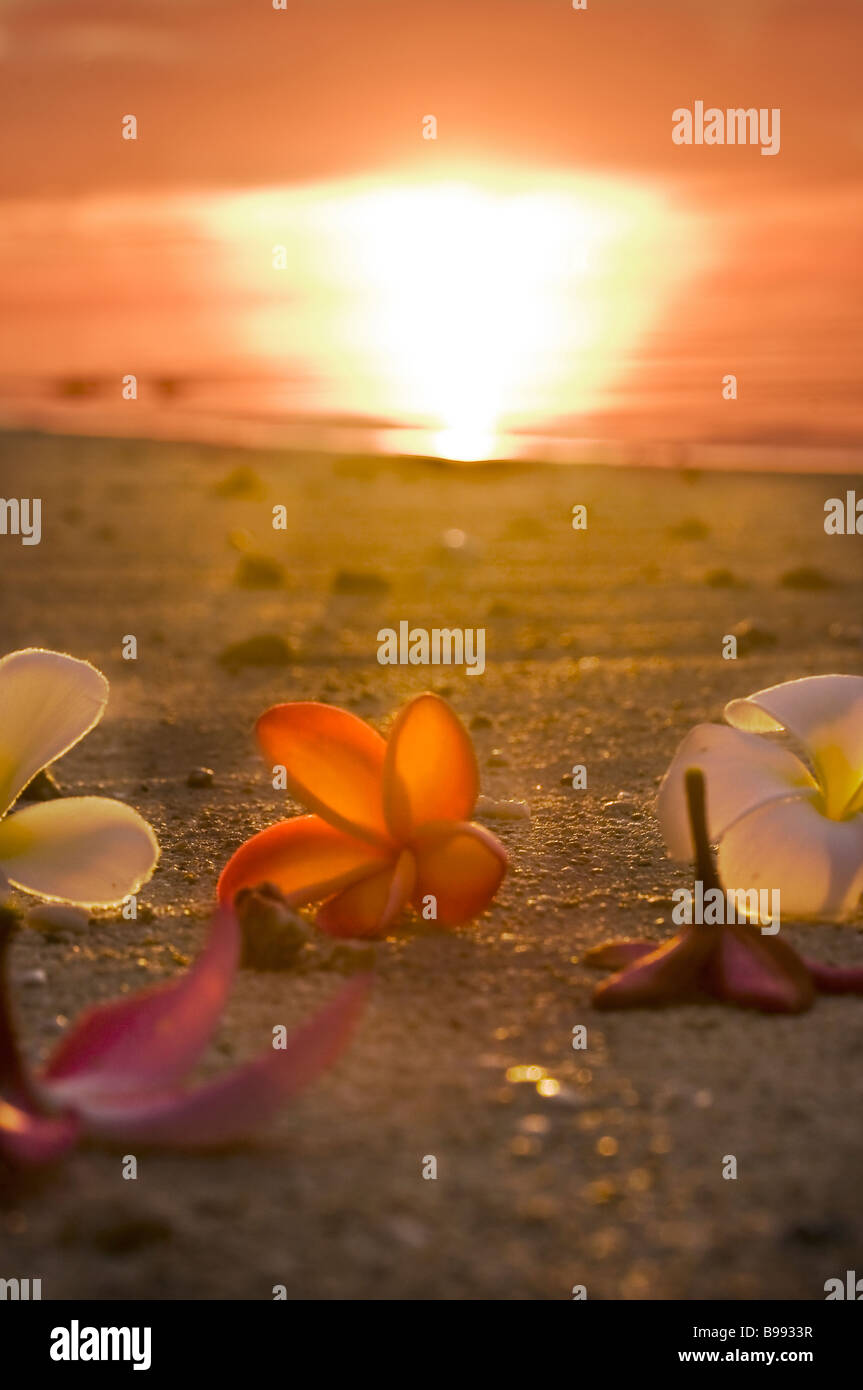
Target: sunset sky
[552,266]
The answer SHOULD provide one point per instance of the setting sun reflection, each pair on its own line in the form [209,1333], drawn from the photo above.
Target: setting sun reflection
[464,307]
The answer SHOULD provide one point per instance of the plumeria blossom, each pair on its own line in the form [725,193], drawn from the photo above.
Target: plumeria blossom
[779,821]
[390,819]
[79,849]
[734,963]
[116,1074]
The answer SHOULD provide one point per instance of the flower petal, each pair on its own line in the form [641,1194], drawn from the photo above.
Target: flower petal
[672,974]
[334,763]
[825,713]
[227,1109]
[431,771]
[741,771]
[48,702]
[81,849]
[27,1138]
[617,955]
[461,865]
[815,863]
[367,908]
[306,858]
[835,979]
[757,972]
[153,1038]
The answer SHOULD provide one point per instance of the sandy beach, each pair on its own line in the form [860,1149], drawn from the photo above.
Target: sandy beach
[603,647]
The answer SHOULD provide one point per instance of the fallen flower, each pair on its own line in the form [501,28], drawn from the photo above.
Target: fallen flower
[79,849]
[391,820]
[115,1075]
[777,822]
[734,963]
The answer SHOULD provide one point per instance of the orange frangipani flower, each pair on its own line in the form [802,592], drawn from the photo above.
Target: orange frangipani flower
[389,823]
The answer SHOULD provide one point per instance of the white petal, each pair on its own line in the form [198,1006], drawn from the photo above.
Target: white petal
[81,849]
[815,863]
[825,713]
[48,702]
[741,771]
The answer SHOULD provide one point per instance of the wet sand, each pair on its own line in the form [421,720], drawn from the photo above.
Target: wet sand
[603,648]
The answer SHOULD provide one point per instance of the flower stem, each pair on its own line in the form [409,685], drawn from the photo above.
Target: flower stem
[696,803]
[14,1084]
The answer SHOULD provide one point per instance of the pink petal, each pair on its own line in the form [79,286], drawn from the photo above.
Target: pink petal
[153,1038]
[27,1138]
[617,955]
[835,979]
[227,1109]
[671,974]
[759,972]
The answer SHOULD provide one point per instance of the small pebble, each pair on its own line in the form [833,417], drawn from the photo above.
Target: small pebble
[350,956]
[240,482]
[259,572]
[241,539]
[690,529]
[409,1232]
[752,637]
[47,916]
[497,758]
[722,579]
[828,1231]
[269,649]
[32,977]
[525,528]
[358,582]
[200,777]
[273,935]
[502,810]
[805,577]
[849,634]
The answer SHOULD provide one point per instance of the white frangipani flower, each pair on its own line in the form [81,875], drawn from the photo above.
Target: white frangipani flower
[86,850]
[781,822]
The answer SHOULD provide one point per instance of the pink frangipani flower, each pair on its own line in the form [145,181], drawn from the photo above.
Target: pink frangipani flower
[732,962]
[116,1075]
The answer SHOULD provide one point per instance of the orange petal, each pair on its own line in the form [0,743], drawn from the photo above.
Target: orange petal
[430,772]
[306,858]
[462,866]
[367,908]
[334,763]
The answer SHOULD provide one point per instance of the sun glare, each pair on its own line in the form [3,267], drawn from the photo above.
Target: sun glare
[464,307]
[466,442]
